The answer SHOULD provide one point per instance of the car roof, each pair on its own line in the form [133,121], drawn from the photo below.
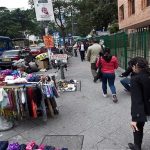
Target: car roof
[14,50]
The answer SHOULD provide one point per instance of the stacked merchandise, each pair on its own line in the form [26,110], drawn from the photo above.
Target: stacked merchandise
[69,86]
[4,145]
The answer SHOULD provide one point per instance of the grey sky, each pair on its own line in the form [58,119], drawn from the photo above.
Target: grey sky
[14,4]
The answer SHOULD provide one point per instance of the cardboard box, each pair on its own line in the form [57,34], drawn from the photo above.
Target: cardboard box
[44,64]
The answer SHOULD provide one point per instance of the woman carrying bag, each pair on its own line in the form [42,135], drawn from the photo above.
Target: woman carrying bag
[108,64]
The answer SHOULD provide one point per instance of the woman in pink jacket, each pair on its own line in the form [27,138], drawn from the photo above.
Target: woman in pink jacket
[108,64]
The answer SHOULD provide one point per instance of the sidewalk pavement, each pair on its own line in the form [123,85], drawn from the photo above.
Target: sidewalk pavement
[105,125]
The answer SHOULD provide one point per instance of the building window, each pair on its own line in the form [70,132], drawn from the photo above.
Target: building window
[121,12]
[148,3]
[131,7]
[145,3]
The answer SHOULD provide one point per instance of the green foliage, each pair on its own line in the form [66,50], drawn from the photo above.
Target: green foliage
[113,28]
[96,14]
[18,22]
[78,17]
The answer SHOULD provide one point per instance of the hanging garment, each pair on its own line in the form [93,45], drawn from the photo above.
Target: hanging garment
[31,102]
[4,100]
[23,97]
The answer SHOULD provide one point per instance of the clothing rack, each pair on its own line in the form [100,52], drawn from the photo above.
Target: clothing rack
[6,125]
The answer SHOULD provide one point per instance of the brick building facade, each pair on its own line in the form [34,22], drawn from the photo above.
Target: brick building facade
[133,14]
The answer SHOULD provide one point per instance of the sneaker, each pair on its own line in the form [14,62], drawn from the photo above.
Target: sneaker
[114,97]
[105,95]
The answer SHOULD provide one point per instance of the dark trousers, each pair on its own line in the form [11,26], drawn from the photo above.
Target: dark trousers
[82,54]
[75,53]
[98,76]
[138,135]
[93,69]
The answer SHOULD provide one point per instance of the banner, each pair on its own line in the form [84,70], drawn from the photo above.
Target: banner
[44,10]
[48,41]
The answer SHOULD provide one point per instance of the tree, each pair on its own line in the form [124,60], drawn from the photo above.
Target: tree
[96,14]
[85,14]
[15,23]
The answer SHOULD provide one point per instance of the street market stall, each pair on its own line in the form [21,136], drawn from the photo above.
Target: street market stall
[21,97]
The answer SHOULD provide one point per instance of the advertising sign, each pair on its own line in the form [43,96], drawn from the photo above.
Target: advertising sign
[48,41]
[44,10]
[59,56]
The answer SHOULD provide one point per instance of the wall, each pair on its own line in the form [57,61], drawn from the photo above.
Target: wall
[140,19]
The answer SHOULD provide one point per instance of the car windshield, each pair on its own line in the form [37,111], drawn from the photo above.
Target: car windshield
[10,53]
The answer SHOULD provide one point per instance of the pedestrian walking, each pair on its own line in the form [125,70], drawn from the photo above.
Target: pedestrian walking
[92,55]
[140,100]
[82,51]
[86,45]
[108,64]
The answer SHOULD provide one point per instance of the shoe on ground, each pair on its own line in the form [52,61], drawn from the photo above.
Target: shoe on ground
[105,95]
[114,98]
[133,147]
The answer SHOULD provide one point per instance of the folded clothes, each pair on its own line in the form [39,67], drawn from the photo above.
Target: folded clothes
[3,145]
[13,146]
[35,147]
[41,147]
[30,145]
[22,147]
[49,148]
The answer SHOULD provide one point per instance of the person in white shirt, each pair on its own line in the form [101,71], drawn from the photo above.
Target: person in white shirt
[82,51]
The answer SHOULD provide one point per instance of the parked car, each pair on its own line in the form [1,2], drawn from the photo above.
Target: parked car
[37,50]
[9,57]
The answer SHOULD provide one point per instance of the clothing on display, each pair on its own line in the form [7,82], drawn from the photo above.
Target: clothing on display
[5,145]
[69,86]
[26,100]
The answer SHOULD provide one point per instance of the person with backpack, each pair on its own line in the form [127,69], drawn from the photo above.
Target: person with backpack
[108,64]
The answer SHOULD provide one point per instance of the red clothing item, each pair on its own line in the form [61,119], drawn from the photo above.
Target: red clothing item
[107,67]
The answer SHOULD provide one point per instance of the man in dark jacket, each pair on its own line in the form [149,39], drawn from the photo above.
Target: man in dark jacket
[140,100]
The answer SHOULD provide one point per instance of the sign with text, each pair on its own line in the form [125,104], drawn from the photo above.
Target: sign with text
[59,57]
[44,10]
[48,41]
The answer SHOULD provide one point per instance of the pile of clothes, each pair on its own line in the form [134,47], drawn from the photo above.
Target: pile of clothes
[15,76]
[4,145]
[68,86]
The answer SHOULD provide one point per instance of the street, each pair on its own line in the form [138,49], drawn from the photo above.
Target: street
[105,125]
